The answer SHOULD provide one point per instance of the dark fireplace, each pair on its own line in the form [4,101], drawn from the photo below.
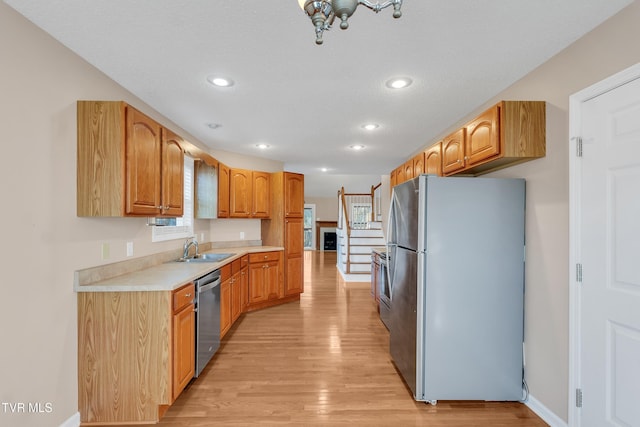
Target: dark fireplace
[330,241]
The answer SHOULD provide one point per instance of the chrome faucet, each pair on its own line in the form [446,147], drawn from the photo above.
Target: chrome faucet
[191,241]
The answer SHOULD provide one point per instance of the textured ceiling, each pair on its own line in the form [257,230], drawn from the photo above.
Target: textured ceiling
[308,102]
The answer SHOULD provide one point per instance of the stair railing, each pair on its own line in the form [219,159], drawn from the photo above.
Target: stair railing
[355,212]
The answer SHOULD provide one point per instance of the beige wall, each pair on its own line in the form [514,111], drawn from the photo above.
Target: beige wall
[40,81]
[326,207]
[45,242]
[608,49]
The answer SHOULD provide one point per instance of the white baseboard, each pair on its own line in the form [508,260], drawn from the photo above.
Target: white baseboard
[73,421]
[543,412]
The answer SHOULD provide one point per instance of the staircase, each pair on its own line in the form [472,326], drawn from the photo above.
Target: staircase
[354,252]
[359,231]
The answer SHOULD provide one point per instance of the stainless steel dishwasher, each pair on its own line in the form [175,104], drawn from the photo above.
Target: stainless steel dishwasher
[207,318]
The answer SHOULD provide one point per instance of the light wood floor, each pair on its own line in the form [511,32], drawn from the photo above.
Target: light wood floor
[322,361]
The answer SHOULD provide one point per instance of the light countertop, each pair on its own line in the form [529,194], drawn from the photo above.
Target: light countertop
[167,276]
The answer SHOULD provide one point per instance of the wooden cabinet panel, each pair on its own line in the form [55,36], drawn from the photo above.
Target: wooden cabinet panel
[240,193]
[483,137]
[126,164]
[294,251]
[172,174]
[453,152]
[225,306]
[236,296]
[400,175]
[293,195]
[124,375]
[408,170]
[418,164]
[244,286]
[433,160]
[261,194]
[142,164]
[294,282]
[224,178]
[272,279]
[257,286]
[184,332]
[265,278]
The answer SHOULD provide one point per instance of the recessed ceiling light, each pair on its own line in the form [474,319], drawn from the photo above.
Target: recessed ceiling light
[263,146]
[214,125]
[324,169]
[220,81]
[357,147]
[370,126]
[399,82]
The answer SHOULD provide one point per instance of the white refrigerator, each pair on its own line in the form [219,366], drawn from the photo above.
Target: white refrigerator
[456,251]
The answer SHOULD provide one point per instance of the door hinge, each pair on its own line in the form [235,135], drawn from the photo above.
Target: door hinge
[578,398]
[579,273]
[578,146]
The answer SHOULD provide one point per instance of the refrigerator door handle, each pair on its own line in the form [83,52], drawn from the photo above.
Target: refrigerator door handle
[391,244]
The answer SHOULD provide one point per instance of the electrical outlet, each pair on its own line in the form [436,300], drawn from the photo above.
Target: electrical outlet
[105,250]
[242,235]
[129,248]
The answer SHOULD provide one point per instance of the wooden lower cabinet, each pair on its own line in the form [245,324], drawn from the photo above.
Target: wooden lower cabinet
[184,335]
[265,279]
[134,354]
[225,299]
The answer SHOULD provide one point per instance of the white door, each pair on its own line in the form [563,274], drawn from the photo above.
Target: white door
[607,203]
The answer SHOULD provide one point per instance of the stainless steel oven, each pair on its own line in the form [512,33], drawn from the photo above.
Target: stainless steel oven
[385,291]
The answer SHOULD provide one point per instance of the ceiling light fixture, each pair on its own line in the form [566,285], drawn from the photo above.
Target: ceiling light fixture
[214,125]
[399,82]
[357,147]
[323,12]
[263,146]
[220,81]
[370,126]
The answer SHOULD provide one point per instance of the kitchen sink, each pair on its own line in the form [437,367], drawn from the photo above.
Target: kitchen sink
[207,258]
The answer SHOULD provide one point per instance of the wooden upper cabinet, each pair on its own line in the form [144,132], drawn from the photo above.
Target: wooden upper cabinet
[122,162]
[400,178]
[224,178]
[261,195]
[392,179]
[506,134]
[172,174]
[433,159]
[293,195]
[453,152]
[418,164]
[143,157]
[408,170]
[483,137]
[240,193]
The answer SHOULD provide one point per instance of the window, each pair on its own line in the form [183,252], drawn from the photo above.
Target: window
[178,228]
[360,215]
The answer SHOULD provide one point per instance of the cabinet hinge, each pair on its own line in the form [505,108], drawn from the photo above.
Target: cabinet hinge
[578,398]
[579,272]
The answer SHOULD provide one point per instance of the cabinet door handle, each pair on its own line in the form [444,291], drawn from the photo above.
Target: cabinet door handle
[187,295]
